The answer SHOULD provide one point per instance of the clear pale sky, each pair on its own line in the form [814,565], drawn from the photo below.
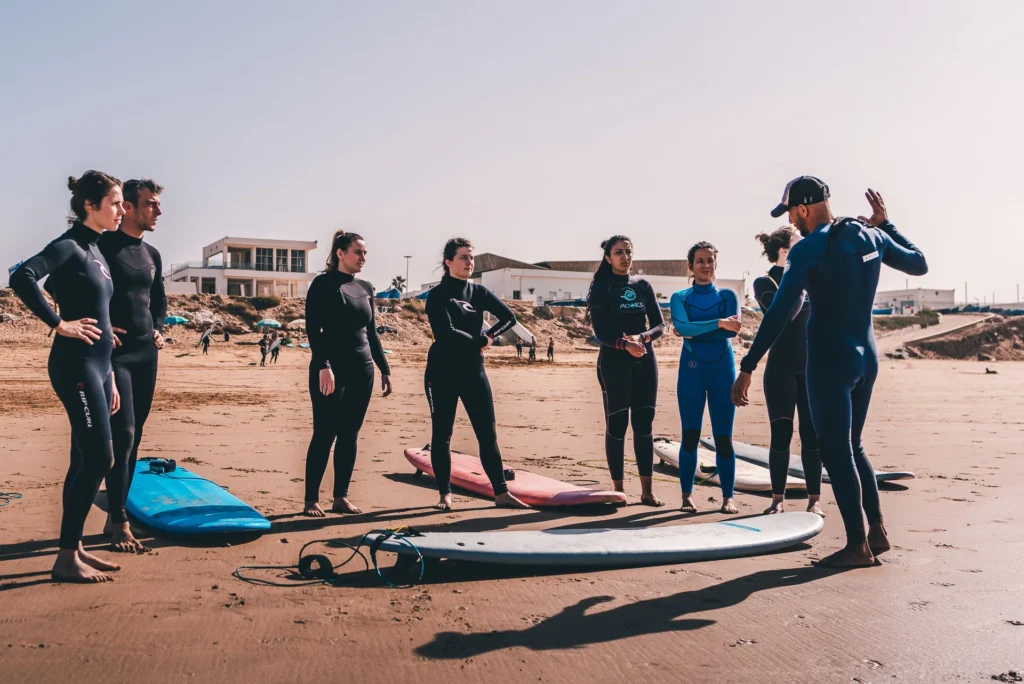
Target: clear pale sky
[535,128]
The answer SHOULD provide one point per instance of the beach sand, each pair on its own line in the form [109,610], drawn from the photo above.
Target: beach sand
[946,604]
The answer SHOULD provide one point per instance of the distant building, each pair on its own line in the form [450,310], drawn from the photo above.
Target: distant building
[548,281]
[911,301]
[246,267]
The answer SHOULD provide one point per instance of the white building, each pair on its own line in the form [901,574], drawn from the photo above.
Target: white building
[246,267]
[911,301]
[548,281]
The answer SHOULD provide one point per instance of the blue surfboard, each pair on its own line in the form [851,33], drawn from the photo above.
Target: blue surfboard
[181,502]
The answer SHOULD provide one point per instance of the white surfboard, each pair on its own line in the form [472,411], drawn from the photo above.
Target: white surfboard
[749,478]
[759,456]
[275,344]
[634,546]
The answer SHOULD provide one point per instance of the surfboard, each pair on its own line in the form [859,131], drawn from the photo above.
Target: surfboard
[275,344]
[759,456]
[749,477]
[182,502]
[530,488]
[607,547]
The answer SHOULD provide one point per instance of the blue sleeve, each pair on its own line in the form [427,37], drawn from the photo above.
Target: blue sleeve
[899,253]
[681,322]
[791,290]
[732,308]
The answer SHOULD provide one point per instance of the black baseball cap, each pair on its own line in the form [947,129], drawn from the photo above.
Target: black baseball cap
[802,190]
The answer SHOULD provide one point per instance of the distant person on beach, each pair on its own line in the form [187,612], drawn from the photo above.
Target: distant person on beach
[227,336]
[626,319]
[264,347]
[785,380]
[707,318]
[79,365]
[342,330]
[551,350]
[519,348]
[205,341]
[275,351]
[838,263]
[533,351]
[137,311]
[455,370]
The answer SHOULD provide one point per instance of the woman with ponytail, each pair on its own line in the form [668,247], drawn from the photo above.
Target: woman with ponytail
[785,380]
[627,318]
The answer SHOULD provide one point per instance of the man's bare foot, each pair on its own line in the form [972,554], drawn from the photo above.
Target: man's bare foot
[878,540]
[506,500]
[343,505]
[69,568]
[814,507]
[858,556]
[729,506]
[445,504]
[313,510]
[778,505]
[94,562]
[650,499]
[688,505]
[123,541]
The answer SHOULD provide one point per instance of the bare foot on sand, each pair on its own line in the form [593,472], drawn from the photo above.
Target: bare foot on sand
[343,505]
[313,510]
[122,539]
[778,505]
[878,539]
[445,504]
[729,506]
[94,562]
[70,568]
[814,507]
[858,556]
[650,499]
[506,500]
[688,505]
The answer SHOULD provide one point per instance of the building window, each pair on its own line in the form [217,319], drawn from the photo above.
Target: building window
[298,261]
[282,260]
[240,257]
[209,286]
[515,294]
[264,259]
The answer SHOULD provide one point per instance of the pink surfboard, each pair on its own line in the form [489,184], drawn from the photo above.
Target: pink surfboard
[530,488]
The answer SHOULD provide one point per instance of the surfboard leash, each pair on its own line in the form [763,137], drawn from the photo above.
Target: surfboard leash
[319,569]
[7,497]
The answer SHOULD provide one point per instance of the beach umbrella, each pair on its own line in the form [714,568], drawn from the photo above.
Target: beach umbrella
[268,323]
[298,324]
[175,320]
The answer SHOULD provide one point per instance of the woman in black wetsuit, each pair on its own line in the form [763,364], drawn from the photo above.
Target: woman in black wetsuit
[455,370]
[627,318]
[342,329]
[785,381]
[79,364]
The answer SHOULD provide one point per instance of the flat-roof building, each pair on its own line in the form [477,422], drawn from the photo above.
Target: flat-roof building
[246,267]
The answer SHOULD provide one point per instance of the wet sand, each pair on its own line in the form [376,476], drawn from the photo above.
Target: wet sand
[939,607]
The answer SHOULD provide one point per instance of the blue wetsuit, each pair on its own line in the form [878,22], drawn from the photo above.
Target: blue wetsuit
[80,373]
[839,265]
[707,371]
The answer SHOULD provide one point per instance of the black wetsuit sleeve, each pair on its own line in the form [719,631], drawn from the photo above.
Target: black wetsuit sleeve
[791,289]
[157,294]
[443,329]
[900,253]
[314,326]
[654,316]
[601,319]
[376,348]
[764,292]
[501,311]
[25,281]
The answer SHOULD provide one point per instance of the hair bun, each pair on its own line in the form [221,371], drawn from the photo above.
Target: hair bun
[72,183]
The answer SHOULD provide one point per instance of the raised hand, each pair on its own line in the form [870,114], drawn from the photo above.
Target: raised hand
[878,211]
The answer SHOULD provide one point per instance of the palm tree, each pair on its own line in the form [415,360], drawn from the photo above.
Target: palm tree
[398,283]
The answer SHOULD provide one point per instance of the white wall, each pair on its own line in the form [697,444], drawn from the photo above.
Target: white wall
[921,298]
[186,288]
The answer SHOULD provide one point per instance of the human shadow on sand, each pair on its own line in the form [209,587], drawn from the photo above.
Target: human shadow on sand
[575,627]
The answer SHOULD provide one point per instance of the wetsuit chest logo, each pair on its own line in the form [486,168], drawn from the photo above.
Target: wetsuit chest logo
[465,306]
[629,300]
[103,269]
[629,294]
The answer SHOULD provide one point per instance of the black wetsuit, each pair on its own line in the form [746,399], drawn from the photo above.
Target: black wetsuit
[455,370]
[839,265]
[627,305]
[138,306]
[342,330]
[79,372]
[785,391]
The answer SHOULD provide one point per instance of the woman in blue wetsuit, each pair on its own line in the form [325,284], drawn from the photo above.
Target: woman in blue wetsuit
[79,364]
[707,317]
[627,318]
[785,380]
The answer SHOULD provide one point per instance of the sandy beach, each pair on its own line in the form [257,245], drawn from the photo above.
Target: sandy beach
[946,604]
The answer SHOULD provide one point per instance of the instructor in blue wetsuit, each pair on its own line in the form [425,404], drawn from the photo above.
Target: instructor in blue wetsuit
[838,262]
[707,318]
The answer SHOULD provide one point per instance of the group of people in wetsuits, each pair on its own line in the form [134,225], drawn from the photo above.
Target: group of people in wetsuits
[106,283]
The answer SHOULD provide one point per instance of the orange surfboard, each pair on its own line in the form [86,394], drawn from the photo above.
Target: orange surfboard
[530,488]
